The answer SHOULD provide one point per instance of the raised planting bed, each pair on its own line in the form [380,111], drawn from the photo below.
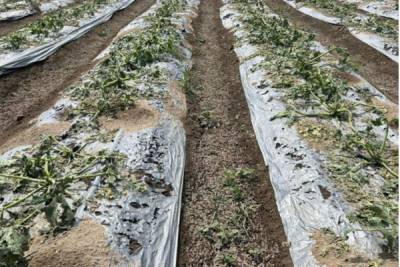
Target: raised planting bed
[42,38]
[378,32]
[388,8]
[45,6]
[13,10]
[111,156]
[328,137]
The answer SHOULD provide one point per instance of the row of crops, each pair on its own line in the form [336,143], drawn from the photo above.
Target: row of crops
[112,148]
[375,23]
[327,135]
[18,9]
[108,163]
[41,38]
[388,9]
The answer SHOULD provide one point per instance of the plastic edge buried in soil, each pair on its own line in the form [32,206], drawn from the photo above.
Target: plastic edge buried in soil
[25,57]
[296,170]
[383,45]
[16,12]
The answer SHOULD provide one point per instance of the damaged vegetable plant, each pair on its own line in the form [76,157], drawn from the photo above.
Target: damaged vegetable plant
[43,181]
[40,181]
[7,5]
[314,92]
[50,25]
[348,14]
[113,85]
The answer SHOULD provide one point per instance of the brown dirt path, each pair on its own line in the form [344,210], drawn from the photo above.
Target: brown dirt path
[31,90]
[229,215]
[379,70]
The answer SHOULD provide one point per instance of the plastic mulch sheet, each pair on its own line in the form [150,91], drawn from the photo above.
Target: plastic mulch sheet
[295,170]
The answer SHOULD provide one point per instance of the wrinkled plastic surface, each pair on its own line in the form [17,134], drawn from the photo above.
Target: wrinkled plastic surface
[380,8]
[296,171]
[54,5]
[13,60]
[313,12]
[385,46]
[19,13]
[16,13]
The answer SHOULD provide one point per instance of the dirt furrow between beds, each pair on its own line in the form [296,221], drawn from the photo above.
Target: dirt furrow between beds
[229,215]
[379,70]
[27,92]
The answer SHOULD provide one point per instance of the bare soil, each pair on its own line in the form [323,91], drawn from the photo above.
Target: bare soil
[33,135]
[224,223]
[331,251]
[26,92]
[85,245]
[134,119]
[379,70]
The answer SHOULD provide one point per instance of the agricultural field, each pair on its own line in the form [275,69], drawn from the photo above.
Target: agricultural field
[199,133]
[11,10]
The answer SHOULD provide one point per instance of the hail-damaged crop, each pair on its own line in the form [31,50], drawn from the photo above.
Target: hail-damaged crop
[48,24]
[41,182]
[348,14]
[313,91]
[15,40]
[52,24]
[114,85]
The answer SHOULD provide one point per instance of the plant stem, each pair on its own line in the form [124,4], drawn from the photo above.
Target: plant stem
[16,202]
[26,219]
[22,178]
[323,54]
[389,170]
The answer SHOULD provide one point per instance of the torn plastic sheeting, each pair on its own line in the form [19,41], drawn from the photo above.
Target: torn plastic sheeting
[150,219]
[383,45]
[26,57]
[297,190]
[300,202]
[352,96]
